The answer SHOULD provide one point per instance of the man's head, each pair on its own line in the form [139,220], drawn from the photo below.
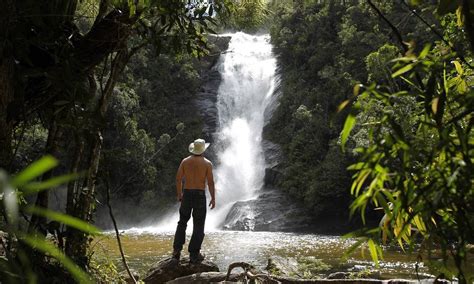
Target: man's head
[198,146]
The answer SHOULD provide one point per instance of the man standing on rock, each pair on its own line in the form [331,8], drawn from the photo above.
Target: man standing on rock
[193,172]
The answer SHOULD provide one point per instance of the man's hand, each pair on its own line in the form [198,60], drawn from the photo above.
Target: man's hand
[212,204]
[179,198]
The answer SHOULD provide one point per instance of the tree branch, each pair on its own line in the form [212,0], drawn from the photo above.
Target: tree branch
[117,234]
[394,29]
[438,34]
[104,38]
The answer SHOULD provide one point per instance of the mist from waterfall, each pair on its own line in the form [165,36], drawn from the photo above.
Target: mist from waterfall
[248,81]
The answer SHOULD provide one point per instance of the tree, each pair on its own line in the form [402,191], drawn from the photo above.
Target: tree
[61,61]
[418,163]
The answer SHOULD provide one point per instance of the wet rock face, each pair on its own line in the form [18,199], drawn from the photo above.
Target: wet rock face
[272,210]
[206,98]
[273,156]
[168,269]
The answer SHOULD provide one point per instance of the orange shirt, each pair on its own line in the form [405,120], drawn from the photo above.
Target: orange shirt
[194,171]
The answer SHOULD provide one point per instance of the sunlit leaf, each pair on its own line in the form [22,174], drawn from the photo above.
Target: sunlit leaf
[64,219]
[402,70]
[460,16]
[343,105]
[34,187]
[34,170]
[48,248]
[425,51]
[434,105]
[353,248]
[373,252]
[458,67]
[348,125]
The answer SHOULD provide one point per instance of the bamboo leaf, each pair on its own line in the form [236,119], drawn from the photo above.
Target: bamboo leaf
[343,105]
[64,219]
[35,187]
[348,125]
[458,67]
[352,248]
[42,245]
[402,70]
[373,252]
[434,105]
[34,170]
[425,51]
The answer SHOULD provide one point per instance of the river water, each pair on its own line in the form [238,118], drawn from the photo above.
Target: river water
[308,255]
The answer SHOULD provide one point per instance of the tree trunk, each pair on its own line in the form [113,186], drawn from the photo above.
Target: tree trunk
[77,242]
[72,185]
[7,90]
[38,223]
[7,68]
[76,245]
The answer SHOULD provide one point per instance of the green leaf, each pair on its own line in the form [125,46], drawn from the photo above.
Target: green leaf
[425,51]
[348,125]
[402,70]
[458,67]
[343,105]
[373,251]
[42,245]
[64,219]
[34,170]
[415,2]
[353,248]
[35,187]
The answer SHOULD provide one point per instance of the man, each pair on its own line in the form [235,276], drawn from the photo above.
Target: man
[193,172]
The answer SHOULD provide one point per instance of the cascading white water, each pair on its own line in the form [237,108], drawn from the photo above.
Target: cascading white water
[248,82]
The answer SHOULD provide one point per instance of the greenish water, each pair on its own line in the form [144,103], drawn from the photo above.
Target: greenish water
[311,255]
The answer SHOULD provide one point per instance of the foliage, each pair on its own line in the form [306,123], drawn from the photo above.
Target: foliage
[249,15]
[16,267]
[146,112]
[417,164]
[321,49]
[62,62]
[310,267]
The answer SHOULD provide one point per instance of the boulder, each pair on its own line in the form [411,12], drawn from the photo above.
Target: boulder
[281,266]
[208,277]
[206,97]
[126,278]
[340,275]
[272,210]
[169,269]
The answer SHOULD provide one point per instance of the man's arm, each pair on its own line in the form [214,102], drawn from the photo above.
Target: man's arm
[210,184]
[179,182]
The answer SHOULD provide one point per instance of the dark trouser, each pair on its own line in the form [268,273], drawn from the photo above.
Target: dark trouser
[193,201]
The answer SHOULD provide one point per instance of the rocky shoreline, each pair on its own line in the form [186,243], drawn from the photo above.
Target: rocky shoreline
[173,272]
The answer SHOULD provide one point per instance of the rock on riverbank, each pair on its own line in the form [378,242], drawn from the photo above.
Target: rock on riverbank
[168,269]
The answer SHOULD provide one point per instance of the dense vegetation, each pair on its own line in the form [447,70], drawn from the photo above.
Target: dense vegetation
[323,51]
[153,105]
[70,75]
[411,148]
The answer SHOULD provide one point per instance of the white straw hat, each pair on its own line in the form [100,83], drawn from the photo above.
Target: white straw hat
[198,146]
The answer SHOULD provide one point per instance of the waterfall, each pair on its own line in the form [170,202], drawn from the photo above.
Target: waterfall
[248,82]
